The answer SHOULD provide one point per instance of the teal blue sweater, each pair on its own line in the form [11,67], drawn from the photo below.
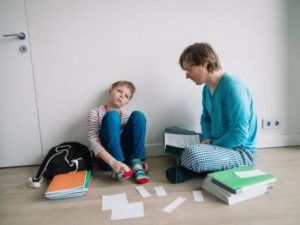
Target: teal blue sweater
[229,117]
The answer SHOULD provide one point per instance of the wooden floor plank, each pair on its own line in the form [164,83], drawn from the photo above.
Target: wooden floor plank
[22,205]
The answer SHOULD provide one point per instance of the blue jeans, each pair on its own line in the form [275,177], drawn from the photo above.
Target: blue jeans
[125,146]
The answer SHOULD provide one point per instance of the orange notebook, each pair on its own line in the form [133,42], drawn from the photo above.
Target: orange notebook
[67,181]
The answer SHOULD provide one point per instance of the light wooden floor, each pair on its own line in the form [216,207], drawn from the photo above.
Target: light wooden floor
[20,205]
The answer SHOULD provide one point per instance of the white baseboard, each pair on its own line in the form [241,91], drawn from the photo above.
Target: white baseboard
[157,149]
[263,141]
[270,141]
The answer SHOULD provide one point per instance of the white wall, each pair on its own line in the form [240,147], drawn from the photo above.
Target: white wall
[79,47]
[292,61]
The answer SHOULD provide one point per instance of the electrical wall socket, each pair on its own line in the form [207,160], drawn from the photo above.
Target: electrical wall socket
[271,123]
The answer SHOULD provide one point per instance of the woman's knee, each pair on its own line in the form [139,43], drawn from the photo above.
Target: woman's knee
[194,153]
[193,157]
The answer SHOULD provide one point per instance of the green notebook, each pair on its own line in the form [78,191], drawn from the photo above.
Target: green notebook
[173,150]
[228,180]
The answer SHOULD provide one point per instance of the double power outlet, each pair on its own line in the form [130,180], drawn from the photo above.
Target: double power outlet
[271,123]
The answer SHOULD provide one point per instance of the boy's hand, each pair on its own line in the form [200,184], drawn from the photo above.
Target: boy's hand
[119,167]
[146,167]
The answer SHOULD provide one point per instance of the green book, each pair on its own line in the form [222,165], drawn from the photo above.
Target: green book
[228,179]
[173,150]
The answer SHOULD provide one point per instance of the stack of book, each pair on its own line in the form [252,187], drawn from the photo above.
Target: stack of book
[68,185]
[238,184]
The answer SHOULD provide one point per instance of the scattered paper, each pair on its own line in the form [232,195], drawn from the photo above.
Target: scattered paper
[111,201]
[198,196]
[143,192]
[131,210]
[120,208]
[250,173]
[160,191]
[174,204]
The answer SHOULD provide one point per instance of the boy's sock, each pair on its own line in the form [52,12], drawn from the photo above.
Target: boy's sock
[124,175]
[116,175]
[139,173]
[128,174]
[178,174]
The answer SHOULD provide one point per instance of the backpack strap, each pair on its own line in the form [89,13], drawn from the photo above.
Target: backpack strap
[75,161]
[58,150]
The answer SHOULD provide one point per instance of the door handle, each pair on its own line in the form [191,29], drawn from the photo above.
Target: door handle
[21,35]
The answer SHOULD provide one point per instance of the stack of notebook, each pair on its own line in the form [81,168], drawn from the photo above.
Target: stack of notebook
[68,185]
[238,184]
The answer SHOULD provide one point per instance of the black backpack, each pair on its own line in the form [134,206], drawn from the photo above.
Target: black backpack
[63,158]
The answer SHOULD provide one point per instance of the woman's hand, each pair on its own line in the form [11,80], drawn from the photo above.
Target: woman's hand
[207,141]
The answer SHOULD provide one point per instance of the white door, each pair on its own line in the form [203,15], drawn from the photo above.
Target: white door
[20,142]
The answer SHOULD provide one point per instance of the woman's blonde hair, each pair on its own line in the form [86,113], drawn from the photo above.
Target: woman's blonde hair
[200,54]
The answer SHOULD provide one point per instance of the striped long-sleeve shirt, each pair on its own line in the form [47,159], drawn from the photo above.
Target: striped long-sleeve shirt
[95,117]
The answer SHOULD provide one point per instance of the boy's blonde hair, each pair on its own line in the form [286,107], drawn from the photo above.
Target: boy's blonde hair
[126,83]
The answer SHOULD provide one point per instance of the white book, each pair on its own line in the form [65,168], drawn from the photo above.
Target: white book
[175,143]
[231,198]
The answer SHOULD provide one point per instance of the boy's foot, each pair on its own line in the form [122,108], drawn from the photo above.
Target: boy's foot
[139,172]
[122,175]
[178,174]
[127,174]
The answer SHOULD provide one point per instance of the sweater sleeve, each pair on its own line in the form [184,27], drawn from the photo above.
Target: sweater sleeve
[205,125]
[94,123]
[237,109]
[205,118]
